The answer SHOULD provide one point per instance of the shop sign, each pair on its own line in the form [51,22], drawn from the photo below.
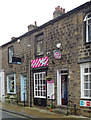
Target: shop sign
[50,89]
[41,62]
[85,103]
[57,54]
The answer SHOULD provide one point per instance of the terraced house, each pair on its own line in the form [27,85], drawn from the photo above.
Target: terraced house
[52,62]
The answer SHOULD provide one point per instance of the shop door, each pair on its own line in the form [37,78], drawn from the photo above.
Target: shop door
[64,90]
[23,88]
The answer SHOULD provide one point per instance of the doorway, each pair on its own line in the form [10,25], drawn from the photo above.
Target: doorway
[62,87]
[64,90]
[2,88]
[23,87]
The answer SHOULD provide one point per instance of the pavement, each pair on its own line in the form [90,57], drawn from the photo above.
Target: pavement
[36,112]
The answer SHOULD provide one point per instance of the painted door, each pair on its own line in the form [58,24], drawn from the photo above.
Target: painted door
[2,91]
[23,88]
[64,91]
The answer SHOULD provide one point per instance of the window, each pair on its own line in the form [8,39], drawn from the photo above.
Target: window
[39,44]
[39,85]
[88,27]
[10,53]
[11,84]
[39,47]
[86,81]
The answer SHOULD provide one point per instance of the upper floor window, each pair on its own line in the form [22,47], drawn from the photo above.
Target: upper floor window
[39,44]
[10,53]
[88,27]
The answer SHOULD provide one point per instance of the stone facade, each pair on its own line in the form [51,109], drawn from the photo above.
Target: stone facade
[67,29]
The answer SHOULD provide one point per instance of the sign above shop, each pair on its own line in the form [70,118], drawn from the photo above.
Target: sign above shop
[41,62]
[85,103]
[57,54]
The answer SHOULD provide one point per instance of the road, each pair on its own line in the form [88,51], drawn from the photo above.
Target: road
[4,114]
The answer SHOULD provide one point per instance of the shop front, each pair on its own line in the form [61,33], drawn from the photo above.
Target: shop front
[39,70]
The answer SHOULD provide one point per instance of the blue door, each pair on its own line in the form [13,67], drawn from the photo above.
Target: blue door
[23,88]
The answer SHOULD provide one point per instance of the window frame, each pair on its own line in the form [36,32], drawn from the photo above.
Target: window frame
[40,90]
[86,19]
[39,38]
[82,74]
[9,55]
[8,80]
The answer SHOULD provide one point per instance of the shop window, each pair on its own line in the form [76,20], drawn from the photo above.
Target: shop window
[10,54]
[88,27]
[86,81]
[11,84]
[39,44]
[39,85]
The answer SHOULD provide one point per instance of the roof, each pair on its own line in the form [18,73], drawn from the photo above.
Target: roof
[50,22]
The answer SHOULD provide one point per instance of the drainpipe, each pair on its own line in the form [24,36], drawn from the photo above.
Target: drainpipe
[30,84]
[68,94]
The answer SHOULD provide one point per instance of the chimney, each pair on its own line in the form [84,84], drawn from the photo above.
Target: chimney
[32,27]
[58,12]
[12,38]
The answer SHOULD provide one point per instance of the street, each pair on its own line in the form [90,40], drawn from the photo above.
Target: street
[4,114]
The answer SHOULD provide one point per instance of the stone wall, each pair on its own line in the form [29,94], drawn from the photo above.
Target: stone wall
[67,30]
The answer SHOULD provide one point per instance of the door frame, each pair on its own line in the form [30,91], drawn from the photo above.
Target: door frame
[59,82]
[2,86]
[22,80]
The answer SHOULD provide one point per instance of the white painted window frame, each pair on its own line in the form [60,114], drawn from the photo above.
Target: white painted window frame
[8,88]
[82,67]
[86,20]
[35,96]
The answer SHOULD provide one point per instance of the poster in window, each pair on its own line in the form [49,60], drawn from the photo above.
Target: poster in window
[50,89]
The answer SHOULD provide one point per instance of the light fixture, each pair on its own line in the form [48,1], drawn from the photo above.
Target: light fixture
[58,45]
[18,40]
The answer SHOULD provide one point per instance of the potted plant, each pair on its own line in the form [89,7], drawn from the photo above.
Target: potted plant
[50,108]
[49,78]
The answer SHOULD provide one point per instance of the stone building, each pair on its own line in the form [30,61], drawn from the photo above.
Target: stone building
[52,62]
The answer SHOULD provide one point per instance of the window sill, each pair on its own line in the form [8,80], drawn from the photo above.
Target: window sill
[84,98]
[39,97]
[38,55]
[11,92]
[87,43]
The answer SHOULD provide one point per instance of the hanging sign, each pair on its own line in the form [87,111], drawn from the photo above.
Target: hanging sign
[41,62]
[50,89]
[57,54]
[85,103]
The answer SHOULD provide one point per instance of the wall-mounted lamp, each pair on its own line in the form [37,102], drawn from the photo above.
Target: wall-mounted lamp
[58,45]
[18,40]
[28,45]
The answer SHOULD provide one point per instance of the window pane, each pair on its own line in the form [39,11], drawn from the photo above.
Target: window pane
[89,16]
[89,78]
[90,93]
[90,70]
[89,33]
[89,21]
[40,76]
[35,76]
[11,52]
[89,85]
[86,93]
[86,70]
[85,78]
[86,86]
[39,47]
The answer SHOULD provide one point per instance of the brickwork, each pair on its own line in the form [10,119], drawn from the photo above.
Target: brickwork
[67,30]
